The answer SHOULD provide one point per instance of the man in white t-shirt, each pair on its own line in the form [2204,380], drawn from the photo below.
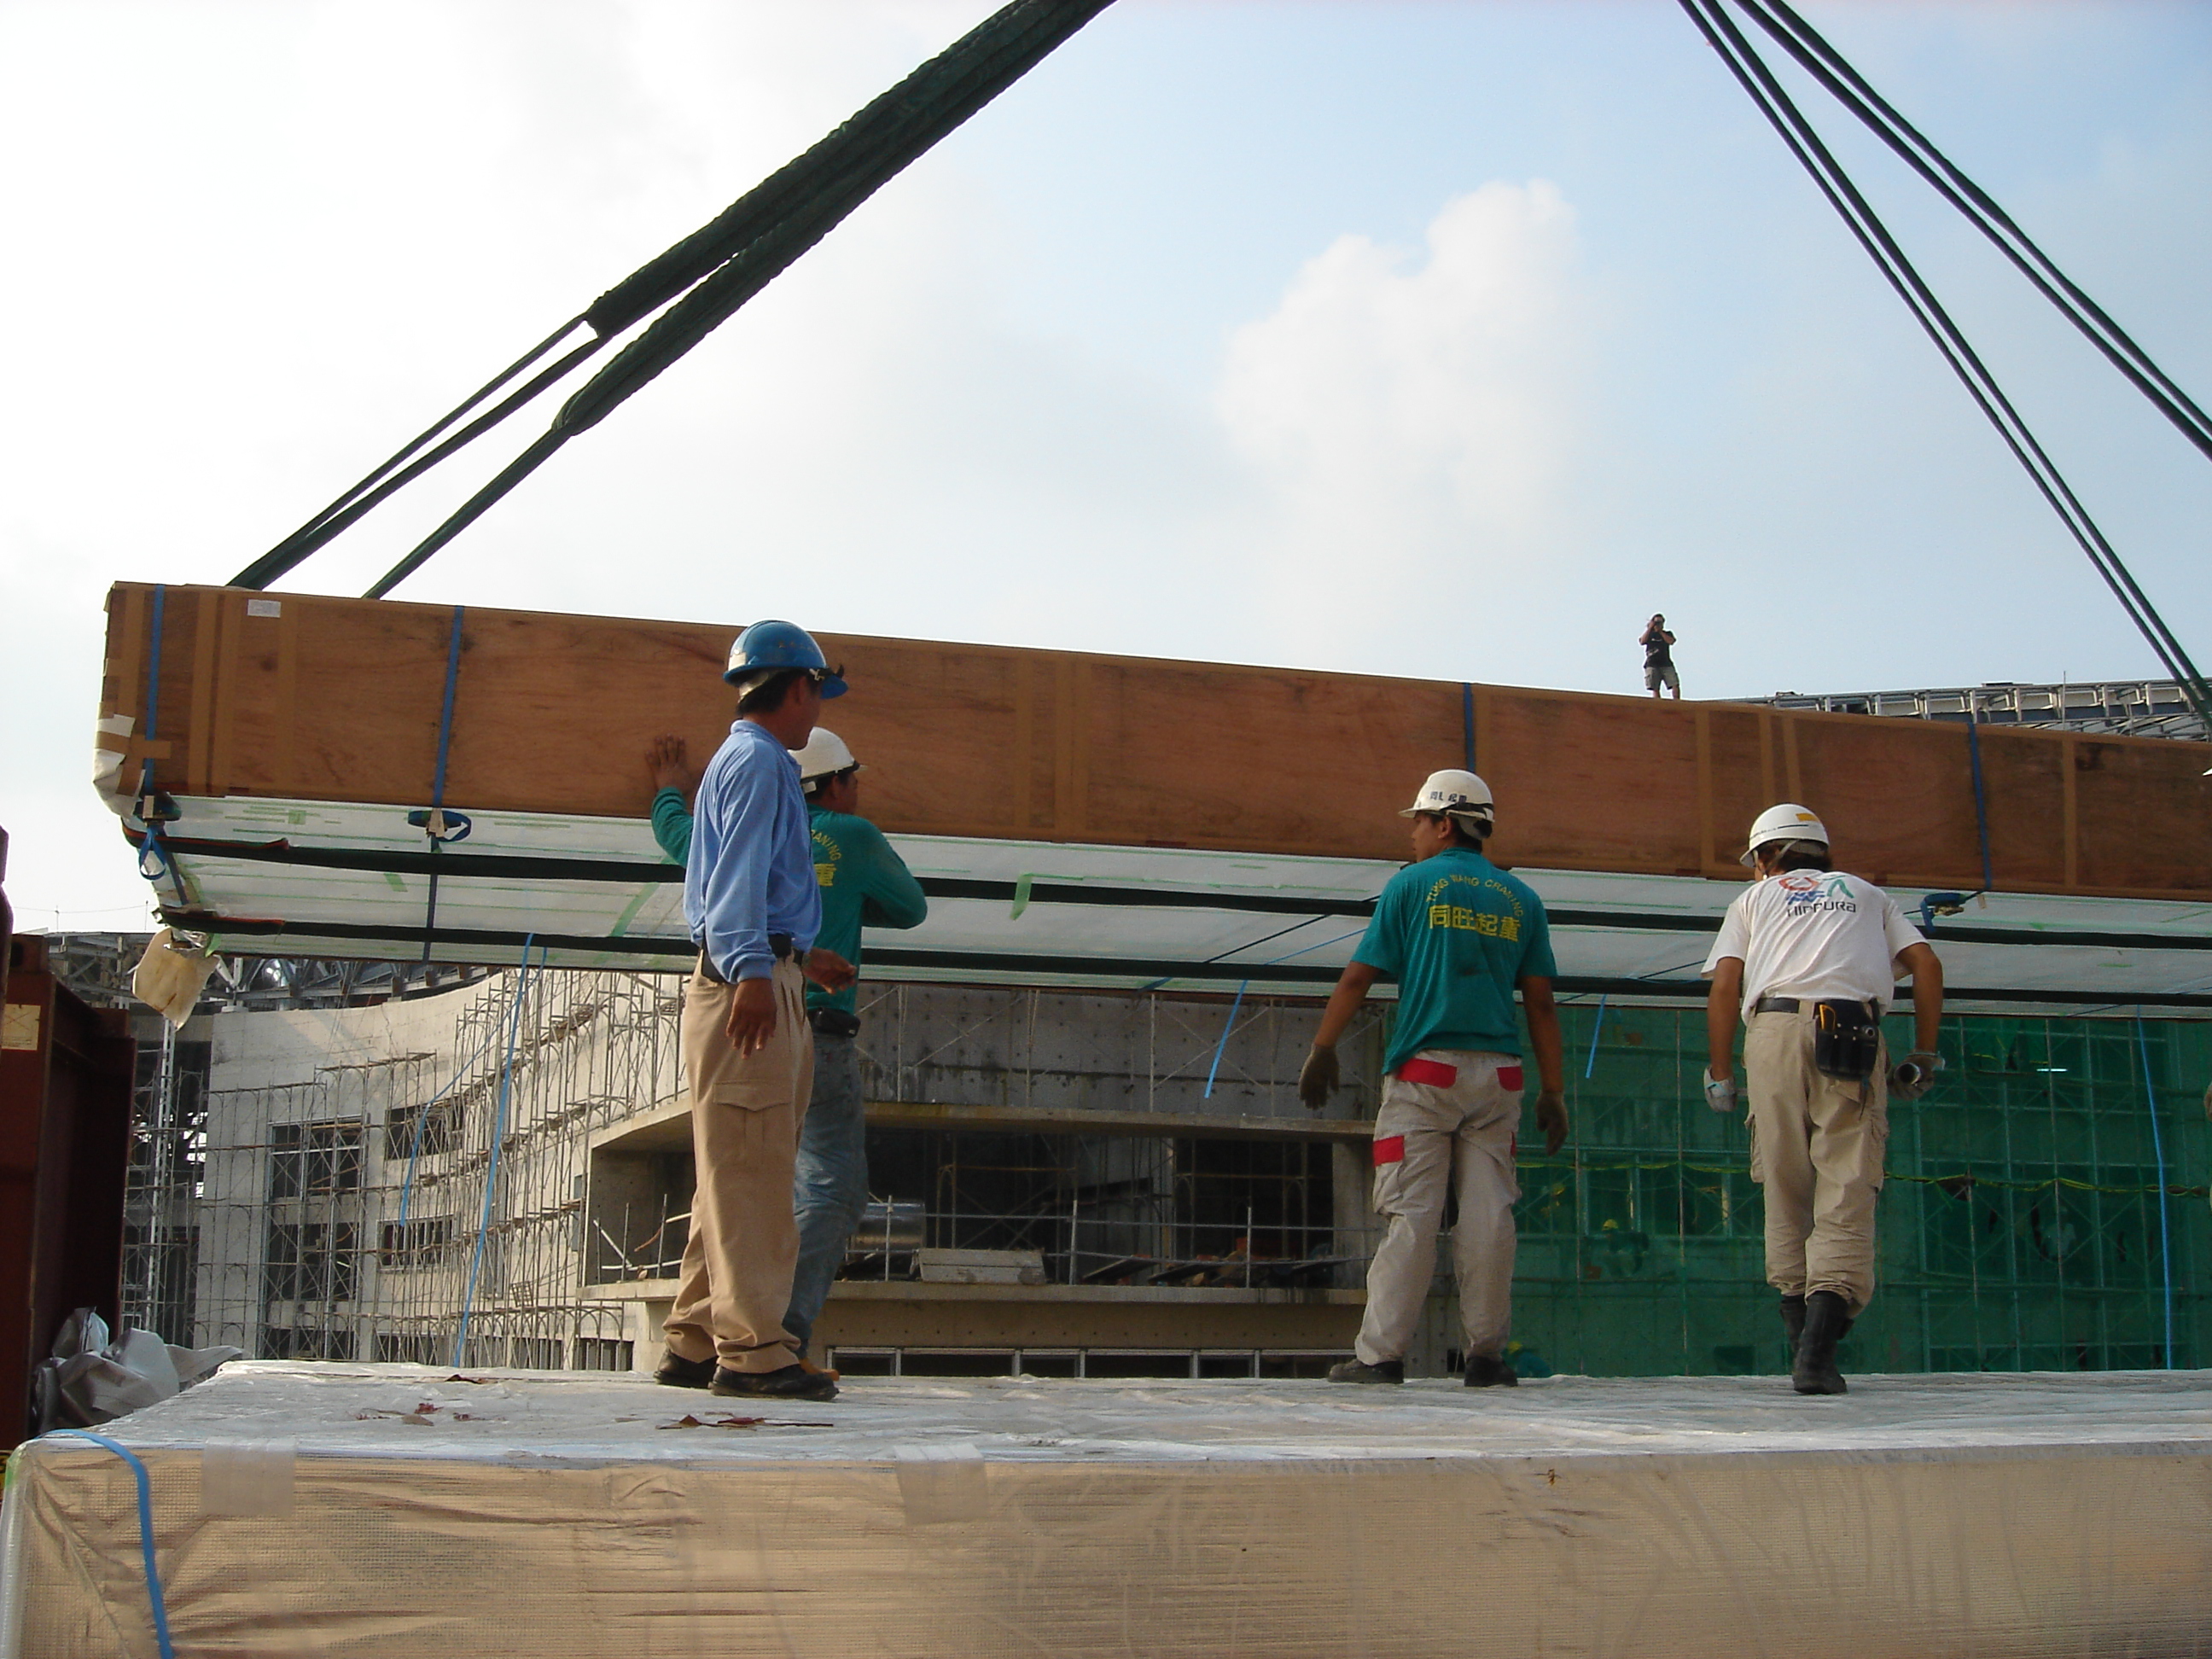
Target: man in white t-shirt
[1810,957]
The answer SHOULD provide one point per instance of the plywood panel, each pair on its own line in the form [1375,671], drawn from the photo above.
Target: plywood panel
[338,700]
[1190,755]
[1556,761]
[1892,792]
[2026,786]
[1737,745]
[2144,815]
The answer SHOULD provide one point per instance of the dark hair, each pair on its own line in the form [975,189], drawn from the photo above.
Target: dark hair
[816,786]
[1796,857]
[1467,831]
[768,696]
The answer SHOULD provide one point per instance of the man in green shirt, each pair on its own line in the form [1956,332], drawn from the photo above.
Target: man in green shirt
[1459,935]
[863,881]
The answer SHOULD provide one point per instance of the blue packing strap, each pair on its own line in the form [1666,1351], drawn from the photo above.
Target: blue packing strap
[145,1526]
[446,714]
[421,1118]
[438,776]
[2158,1153]
[1981,802]
[1466,721]
[1222,1047]
[1596,1026]
[498,1136]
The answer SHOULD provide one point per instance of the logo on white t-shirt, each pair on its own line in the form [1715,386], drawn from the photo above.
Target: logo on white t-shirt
[1806,894]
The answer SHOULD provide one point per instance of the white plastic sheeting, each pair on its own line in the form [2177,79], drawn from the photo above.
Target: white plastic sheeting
[1048,913]
[386,1510]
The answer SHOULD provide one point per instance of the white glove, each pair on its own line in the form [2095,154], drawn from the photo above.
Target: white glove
[1915,1075]
[1720,1093]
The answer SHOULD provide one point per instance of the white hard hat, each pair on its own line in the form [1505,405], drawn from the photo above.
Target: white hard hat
[825,753]
[1451,791]
[1787,822]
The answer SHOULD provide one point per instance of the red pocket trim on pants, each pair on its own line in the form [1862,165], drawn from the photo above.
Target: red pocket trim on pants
[1390,1149]
[1434,1073]
[1508,1077]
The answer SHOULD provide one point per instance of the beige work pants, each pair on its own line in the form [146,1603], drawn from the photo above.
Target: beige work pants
[1816,1148]
[1430,1135]
[746,1114]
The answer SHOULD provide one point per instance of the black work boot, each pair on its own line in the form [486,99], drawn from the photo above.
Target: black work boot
[1793,1322]
[1488,1371]
[679,1372]
[1359,1371]
[792,1381]
[1825,1321]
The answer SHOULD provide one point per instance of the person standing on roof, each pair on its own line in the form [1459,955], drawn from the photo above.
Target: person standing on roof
[1659,658]
[863,882]
[754,907]
[1808,957]
[1459,935]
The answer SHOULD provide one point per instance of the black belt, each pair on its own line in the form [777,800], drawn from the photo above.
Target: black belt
[1791,1005]
[834,1022]
[779,943]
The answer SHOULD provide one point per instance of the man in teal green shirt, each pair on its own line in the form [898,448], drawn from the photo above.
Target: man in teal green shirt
[864,882]
[1460,936]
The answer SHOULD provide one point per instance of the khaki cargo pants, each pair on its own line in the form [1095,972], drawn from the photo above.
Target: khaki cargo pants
[746,1114]
[1448,1118]
[1817,1145]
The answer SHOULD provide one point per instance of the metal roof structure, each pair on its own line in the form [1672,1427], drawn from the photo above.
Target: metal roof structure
[2134,708]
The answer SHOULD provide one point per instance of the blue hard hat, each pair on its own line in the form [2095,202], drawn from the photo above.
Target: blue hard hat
[767,645]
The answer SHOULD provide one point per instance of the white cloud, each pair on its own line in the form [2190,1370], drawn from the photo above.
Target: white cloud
[1404,411]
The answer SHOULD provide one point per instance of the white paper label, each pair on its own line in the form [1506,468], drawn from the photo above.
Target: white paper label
[264,607]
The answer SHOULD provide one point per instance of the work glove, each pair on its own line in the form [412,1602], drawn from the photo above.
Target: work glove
[1720,1092]
[1913,1076]
[1318,1077]
[1552,1119]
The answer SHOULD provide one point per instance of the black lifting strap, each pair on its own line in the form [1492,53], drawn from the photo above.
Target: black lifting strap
[1851,89]
[712,272]
[1759,81]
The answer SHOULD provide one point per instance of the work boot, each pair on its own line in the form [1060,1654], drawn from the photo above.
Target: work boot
[677,1372]
[786,1382]
[1825,1321]
[1488,1371]
[1793,1321]
[1359,1371]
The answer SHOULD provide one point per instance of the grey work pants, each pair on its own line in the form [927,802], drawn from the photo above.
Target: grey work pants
[743,1243]
[1430,1136]
[1817,1145]
[831,1194]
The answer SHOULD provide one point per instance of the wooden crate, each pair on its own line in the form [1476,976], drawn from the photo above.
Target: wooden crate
[295,696]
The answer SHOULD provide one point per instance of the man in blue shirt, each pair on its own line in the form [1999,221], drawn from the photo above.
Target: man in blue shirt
[863,880]
[1459,935]
[754,908]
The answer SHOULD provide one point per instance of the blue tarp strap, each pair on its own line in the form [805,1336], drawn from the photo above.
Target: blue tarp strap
[145,1526]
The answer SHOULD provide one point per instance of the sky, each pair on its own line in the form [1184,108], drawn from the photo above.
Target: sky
[1449,340]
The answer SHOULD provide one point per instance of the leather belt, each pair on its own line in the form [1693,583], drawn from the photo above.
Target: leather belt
[779,943]
[834,1022]
[1791,1005]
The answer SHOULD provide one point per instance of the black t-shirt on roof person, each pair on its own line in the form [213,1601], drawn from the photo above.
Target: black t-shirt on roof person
[1657,647]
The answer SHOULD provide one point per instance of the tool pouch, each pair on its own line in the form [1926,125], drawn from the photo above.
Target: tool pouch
[1846,1040]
